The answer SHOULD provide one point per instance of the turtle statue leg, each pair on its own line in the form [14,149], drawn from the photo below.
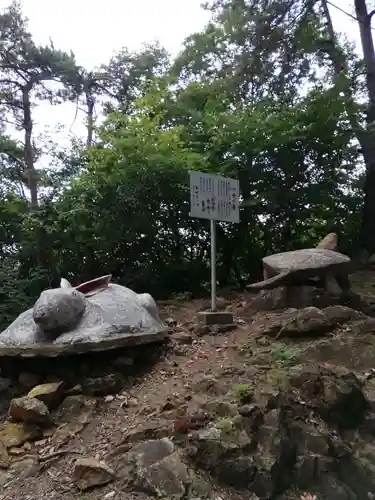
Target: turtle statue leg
[343,282]
[268,272]
[332,286]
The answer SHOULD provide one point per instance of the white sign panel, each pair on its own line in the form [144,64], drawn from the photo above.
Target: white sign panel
[214,197]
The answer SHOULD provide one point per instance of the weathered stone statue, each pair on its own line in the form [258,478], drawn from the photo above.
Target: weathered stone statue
[92,312]
[298,266]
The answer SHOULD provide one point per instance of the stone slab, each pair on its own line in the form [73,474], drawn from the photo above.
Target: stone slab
[51,350]
[209,318]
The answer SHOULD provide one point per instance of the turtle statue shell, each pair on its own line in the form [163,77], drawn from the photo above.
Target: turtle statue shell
[65,316]
[309,258]
[298,265]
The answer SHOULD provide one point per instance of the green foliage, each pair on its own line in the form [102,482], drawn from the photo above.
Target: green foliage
[225,425]
[285,355]
[252,97]
[244,394]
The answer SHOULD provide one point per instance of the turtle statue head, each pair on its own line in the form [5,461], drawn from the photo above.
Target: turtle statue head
[59,309]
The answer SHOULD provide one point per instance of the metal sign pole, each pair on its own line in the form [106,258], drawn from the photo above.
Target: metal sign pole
[215,198]
[213,265]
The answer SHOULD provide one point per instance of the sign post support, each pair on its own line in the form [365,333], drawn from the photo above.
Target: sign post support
[213,265]
[215,198]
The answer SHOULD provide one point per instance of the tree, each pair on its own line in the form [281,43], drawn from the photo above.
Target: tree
[131,73]
[24,67]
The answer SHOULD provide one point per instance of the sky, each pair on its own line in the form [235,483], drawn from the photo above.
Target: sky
[95,30]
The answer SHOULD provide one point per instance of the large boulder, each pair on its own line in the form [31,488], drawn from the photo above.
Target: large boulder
[296,441]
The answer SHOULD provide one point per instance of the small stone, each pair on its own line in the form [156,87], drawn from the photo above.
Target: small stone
[90,472]
[240,321]
[5,477]
[109,398]
[201,330]
[182,337]
[16,452]
[170,322]
[29,410]
[247,410]
[4,457]
[28,466]
[67,431]
[75,390]
[74,406]
[101,386]
[109,495]
[50,394]
[13,435]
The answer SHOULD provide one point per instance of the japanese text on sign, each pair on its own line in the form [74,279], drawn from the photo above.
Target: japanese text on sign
[214,197]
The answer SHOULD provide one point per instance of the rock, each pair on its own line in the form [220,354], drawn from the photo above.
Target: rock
[220,451]
[307,321]
[292,442]
[50,394]
[310,321]
[29,410]
[28,380]
[4,457]
[28,466]
[67,431]
[192,420]
[182,337]
[75,406]
[337,397]
[362,326]
[201,330]
[209,384]
[13,435]
[101,386]
[170,322]
[157,469]
[90,472]
[74,391]
[339,314]
[148,431]
[109,495]
[220,408]
[252,418]
[5,477]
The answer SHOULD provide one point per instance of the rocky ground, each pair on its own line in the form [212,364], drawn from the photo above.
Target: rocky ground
[280,405]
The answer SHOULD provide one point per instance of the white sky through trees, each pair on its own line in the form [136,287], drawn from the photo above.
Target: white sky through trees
[95,30]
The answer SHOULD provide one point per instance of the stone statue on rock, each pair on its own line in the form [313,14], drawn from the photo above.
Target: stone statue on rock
[92,312]
[299,266]
[293,279]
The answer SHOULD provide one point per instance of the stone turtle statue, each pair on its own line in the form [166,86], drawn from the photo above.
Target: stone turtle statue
[90,312]
[301,266]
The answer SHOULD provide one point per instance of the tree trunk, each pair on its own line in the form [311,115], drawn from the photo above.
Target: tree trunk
[90,119]
[368,226]
[365,137]
[28,149]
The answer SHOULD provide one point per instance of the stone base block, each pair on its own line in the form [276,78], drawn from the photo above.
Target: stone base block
[209,318]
